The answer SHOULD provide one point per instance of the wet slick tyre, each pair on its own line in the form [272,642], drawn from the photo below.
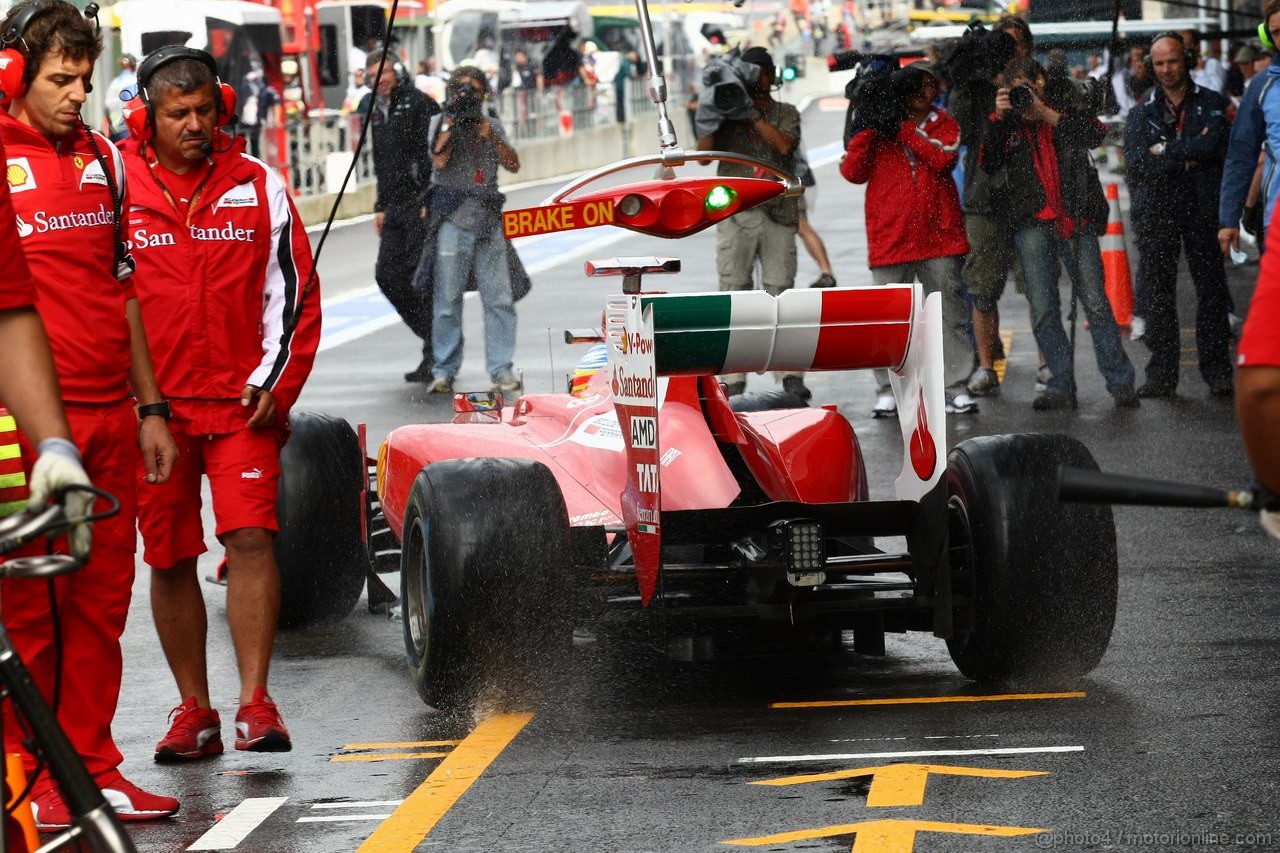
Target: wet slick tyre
[485,558]
[1042,574]
[319,549]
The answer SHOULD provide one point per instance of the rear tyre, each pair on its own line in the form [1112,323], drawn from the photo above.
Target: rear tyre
[319,548]
[766,401]
[1043,575]
[485,580]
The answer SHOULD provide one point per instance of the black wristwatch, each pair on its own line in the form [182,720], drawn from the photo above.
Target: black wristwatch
[162,409]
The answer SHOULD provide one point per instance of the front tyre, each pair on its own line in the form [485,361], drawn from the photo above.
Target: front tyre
[1043,575]
[484,579]
[319,550]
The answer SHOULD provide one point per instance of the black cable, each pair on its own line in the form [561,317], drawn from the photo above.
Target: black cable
[117,202]
[367,121]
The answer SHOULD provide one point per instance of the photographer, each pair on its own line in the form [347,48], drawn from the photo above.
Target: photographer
[1055,207]
[972,68]
[465,242]
[1175,142]
[770,131]
[920,234]
[402,163]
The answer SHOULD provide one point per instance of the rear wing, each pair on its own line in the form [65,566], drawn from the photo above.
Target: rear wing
[851,328]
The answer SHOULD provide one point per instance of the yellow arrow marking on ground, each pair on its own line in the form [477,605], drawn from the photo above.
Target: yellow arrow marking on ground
[388,756]
[414,744]
[900,784]
[926,700]
[886,836]
[414,819]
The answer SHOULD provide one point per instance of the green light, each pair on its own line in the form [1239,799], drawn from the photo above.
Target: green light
[788,74]
[720,197]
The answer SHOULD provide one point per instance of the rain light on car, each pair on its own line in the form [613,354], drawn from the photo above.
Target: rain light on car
[720,197]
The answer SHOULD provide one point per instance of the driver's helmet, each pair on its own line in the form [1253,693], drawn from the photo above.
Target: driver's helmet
[596,359]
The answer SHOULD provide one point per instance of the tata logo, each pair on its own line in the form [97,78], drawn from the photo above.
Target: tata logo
[227,232]
[143,239]
[19,176]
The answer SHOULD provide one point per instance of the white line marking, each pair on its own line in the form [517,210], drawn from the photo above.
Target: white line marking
[925,737]
[364,805]
[238,823]
[851,756]
[339,818]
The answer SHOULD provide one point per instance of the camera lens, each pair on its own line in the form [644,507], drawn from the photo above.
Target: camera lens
[1020,97]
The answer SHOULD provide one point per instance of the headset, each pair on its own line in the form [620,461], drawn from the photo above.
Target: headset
[1264,35]
[1189,56]
[14,50]
[138,115]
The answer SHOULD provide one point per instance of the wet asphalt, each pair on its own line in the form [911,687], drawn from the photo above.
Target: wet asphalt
[1170,744]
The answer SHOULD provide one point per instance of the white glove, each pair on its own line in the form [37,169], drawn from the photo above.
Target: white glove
[59,465]
[1270,522]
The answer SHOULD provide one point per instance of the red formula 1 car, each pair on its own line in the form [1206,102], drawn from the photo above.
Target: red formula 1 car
[645,502]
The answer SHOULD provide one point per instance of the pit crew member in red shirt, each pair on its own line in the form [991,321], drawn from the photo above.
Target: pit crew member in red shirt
[29,389]
[227,293]
[1258,379]
[67,187]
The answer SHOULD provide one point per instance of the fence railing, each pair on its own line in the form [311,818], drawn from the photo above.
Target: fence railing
[315,152]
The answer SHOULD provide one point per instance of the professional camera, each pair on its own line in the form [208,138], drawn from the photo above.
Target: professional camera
[1066,94]
[978,56]
[874,101]
[464,104]
[728,86]
[1020,97]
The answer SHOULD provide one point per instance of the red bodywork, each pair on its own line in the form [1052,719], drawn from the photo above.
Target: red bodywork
[808,455]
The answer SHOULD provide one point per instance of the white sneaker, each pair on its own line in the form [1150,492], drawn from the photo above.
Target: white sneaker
[1137,328]
[886,407]
[962,404]
[1043,377]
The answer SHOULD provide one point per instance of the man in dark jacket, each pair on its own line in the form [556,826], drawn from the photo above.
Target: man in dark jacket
[1175,142]
[402,162]
[1054,205]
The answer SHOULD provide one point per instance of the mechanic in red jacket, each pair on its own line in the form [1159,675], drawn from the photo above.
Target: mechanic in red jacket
[1258,379]
[915,226]
[227,292]
[67,187]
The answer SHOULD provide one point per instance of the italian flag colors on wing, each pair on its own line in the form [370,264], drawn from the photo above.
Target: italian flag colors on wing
[751,331]
[13,479]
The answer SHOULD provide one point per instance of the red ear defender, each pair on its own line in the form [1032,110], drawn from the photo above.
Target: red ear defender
[12,66]
[137,120]
[227,107]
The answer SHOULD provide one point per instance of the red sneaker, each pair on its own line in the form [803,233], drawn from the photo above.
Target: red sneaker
[131,802]
[194,733]
[51,813]
[259,727]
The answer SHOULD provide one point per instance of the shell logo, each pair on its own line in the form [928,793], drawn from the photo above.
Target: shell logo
[626,341]
[16,175]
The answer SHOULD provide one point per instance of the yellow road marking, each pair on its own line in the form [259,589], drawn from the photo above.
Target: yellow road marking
[900,784]
[413,744]
[423,809]
[1000,366]
[886,836]
[927,700]
[389,756]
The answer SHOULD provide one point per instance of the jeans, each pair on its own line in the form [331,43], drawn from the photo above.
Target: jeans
[459,253]
[1040,250]
[938,275]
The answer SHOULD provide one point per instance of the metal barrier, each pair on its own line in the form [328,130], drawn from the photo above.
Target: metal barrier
[311,152]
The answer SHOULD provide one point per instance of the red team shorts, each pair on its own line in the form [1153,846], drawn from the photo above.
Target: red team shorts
[244,472]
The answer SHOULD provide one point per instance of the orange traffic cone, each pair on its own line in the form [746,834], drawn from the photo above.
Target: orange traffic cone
[1115,261]
[20,826]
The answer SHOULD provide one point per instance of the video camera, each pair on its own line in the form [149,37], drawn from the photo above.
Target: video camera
[1067,94]
[873,98]
[978,56]
[728,84]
